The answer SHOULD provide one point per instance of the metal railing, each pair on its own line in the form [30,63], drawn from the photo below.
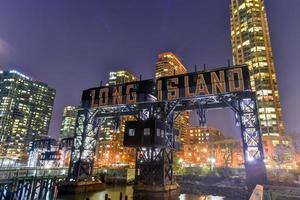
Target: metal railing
[9,174]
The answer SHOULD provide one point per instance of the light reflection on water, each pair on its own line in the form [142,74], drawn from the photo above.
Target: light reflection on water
[195,197]
[114,194]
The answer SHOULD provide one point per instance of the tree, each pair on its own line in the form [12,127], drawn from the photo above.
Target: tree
[227,152]
[282,155]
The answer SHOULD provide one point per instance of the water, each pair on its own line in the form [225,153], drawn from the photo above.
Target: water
[114,194]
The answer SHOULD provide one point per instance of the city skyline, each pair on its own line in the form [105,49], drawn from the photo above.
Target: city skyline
[100,64]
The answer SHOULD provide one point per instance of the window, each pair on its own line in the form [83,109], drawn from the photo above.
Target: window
[162,133]
[158,132]
[131,132]
[146,131]
[275,142]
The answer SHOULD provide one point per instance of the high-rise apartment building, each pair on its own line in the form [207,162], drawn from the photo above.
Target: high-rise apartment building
[198,135]
[42,99]
[168,64]
[25,112]
[120,77]
[67,128]
[110,149]
[251,45]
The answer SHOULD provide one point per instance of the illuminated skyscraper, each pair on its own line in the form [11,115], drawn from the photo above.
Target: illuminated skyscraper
[120,77]
[25,112]
[110,148]
[251,45]
[168,64]
[68,122]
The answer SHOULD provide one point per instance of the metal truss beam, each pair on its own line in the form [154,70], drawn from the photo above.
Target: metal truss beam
[242,103]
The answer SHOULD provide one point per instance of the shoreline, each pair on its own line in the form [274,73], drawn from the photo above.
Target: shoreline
[198,187]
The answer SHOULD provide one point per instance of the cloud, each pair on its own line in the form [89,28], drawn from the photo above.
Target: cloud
[5,48]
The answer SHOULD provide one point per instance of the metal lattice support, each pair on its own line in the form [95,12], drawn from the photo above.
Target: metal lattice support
[154,166]
[202,115]
[83,152]
[252,141]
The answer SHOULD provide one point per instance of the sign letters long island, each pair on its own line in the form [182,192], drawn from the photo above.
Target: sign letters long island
[219,81]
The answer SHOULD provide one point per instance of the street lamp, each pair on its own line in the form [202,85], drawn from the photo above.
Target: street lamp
[212,162]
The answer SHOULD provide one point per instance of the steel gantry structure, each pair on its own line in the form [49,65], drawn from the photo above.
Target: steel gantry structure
[154,160]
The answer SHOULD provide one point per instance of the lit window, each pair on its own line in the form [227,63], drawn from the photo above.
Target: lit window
[146,131]
[275,142]
[131,132]
[158,132]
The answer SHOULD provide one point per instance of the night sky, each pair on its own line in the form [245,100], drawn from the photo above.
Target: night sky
[72,44]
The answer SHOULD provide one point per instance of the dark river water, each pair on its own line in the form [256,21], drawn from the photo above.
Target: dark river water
[114,194]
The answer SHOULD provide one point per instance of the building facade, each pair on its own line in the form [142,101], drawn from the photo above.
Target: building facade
[198,135]
[111,150]
[25,112]
[199,145]
[219,153]
[120,77]
[168,64]
[68,124]
[251,45]
[44,152]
